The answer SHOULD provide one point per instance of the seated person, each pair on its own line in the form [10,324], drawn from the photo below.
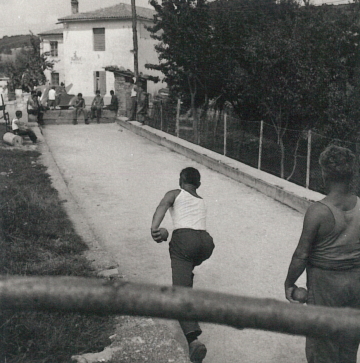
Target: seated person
[79,106]
[32,104]
[114,103]
[96,106]
[19,127]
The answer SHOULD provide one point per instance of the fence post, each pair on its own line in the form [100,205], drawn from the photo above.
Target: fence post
[308,160]
[225,132]
[178,118]
[260,143]
[161,116]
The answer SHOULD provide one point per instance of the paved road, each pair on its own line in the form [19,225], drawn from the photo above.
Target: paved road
[118,178]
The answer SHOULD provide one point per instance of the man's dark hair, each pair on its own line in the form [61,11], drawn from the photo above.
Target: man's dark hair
[337,163]
[111,92]
[97,91]
[18,113]
[79,94]
[190,176]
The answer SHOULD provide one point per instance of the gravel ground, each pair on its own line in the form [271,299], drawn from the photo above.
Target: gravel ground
[117,180]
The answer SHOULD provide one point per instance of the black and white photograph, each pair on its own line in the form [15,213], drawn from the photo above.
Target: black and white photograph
[179,181]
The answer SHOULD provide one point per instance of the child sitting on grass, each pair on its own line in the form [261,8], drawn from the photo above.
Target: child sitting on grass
[190,243]
[19,127]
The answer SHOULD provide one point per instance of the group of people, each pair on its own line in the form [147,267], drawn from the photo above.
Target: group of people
[328,249]
[97,105]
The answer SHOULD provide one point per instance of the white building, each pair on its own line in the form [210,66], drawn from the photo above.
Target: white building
[102,38]
[52,43]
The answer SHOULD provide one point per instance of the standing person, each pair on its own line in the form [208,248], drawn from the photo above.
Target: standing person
[329,250]
[19,127]
[133,102]
[142,105]
[79,108]
[51,98]
[190,243]
[96,106]
[41,108]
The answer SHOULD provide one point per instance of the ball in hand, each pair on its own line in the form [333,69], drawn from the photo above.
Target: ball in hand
[300,294]
[164,234]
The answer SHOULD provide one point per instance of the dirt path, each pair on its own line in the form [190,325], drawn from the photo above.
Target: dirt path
[118,178]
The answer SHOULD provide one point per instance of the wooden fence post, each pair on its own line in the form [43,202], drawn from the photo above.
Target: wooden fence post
[161,116]
[260,143]
[178,118]
[308,160]
[225,132]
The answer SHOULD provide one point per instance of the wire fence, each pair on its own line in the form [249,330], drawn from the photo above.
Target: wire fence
[286,153]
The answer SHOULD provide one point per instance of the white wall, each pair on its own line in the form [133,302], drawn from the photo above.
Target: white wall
[80,60]
[59,60]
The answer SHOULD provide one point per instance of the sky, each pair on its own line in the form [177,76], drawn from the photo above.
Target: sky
[20,16]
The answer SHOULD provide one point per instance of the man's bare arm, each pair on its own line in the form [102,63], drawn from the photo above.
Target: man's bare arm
[312,221]
[160,212]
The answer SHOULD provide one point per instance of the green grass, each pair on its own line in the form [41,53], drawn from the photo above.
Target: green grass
[37,238]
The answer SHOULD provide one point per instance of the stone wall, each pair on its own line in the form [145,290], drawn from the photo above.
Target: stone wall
[122,88]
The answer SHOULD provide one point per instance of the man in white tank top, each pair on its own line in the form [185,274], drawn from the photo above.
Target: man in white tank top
[190,243]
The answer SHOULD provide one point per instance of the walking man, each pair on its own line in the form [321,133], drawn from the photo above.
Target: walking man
[190,243]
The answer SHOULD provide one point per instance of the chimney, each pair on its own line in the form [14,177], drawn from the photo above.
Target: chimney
[74,6]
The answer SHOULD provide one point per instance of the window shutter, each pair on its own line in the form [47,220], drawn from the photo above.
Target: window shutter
[99,39]
[94,81]
[102,83]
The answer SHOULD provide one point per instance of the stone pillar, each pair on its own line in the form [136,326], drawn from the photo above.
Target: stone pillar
[122,89]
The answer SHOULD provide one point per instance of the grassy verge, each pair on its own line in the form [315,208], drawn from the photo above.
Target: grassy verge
[38,239]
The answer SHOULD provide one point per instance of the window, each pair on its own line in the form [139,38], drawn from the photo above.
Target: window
[55,79]
[100,82]
[54,49]
[99,39]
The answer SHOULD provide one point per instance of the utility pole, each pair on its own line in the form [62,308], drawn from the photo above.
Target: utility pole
[135,40]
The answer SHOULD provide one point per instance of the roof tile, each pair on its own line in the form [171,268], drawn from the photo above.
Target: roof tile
[119,11]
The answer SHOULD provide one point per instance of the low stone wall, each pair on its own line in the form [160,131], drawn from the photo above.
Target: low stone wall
[59,117]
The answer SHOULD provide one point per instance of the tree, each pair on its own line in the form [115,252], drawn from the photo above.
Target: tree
[184,33]
[27,70]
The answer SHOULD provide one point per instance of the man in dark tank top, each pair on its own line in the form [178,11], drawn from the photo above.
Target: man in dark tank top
[329,250]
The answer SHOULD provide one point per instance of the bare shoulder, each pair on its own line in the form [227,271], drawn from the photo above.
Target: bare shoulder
[170,197]
[317,211]
[172,194]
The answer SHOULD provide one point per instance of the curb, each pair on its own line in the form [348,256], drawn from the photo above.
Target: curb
[283,191]
[136,339]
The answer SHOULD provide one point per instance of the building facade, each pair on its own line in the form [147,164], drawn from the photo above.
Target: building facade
[95,40]
[52,43]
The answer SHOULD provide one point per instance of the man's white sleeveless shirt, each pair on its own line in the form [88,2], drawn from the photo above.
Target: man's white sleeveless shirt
[188,212]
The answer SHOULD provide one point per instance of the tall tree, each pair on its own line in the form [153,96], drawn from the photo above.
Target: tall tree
[184,33]
[27,69]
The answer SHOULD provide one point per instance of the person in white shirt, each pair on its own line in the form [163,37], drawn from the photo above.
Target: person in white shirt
[19,128]
[133,103]
[51,98]
[190,243]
